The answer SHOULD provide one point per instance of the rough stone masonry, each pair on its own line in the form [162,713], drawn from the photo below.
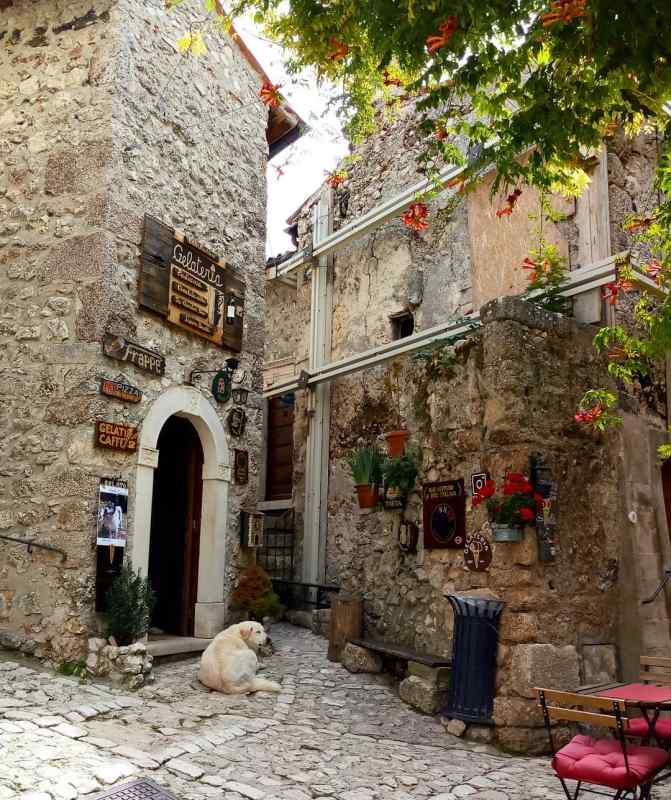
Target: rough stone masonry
[102,121]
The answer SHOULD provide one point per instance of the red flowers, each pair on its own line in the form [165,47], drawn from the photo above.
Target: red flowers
[436,41]
[589,415]
[389,80]
[270,94]
[487,491]
[612,290]
[340,50]
[415,217]
[336,178]
[637,224]
[516,483]
[507,210]
[538,270]
[279,171]
[563,11]
[526,514]
[653,269]
[458,183]
[441,134]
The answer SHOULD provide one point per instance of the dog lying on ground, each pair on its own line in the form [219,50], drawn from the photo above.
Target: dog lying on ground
[229,664]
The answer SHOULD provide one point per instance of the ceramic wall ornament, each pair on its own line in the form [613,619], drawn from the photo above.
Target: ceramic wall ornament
[477,553]
[408,536]
[237,419]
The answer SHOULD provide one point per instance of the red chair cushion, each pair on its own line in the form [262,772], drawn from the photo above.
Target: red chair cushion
[639,727]
[601,761]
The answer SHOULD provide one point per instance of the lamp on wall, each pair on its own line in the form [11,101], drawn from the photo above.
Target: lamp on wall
[240,395]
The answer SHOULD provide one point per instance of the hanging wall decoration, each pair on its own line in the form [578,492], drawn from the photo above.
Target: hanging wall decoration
[123,350]
[241,467]
[116,436]
[478,480]
[183,281]
[237,419]
[221,386]
[112,512]
[408,536]
[545,490]
[120,390]
[477,553]
[444,514]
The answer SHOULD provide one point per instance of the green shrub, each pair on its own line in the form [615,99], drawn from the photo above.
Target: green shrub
[255,595]
[130,601]
[75,669]
[400,472]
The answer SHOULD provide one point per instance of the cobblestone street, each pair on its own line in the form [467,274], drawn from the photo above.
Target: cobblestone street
[328,735]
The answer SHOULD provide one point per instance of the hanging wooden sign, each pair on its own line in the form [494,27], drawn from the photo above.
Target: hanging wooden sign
[477,553]
[120,390]
[222,386]
[116,436]
[444,514]
[123,350]
[241,467]
[190,286]
[237,420]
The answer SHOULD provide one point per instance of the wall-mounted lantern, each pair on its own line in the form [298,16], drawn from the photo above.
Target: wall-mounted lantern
[240,395]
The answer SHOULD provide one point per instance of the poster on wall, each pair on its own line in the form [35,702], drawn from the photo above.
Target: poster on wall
[112,512]
[444,514]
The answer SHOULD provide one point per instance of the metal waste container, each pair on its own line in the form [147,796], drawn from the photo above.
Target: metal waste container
[476,637]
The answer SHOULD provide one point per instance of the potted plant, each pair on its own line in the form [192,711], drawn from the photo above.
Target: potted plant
[400,474]
[130,602]
[396,439]
[511,510]
[366,466]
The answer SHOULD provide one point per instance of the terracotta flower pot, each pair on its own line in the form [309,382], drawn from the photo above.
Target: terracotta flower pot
[368,495]
[396,443]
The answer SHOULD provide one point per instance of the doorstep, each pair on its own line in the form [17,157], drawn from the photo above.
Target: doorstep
[164,645]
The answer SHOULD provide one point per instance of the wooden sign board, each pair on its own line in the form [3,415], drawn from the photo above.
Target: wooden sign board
[241,467]
[116,436]
[141,357]
[237,419]
[477,553]
[190,286]
[444,514]
[120,390]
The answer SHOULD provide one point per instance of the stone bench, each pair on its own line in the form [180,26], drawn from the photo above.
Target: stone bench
[426,686]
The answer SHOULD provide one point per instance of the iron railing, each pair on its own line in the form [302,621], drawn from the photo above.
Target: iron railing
[297,595]
[30,543]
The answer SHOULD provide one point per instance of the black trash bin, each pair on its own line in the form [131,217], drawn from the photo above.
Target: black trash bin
[476,636]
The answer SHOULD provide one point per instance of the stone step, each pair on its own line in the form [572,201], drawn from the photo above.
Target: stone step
[174,647]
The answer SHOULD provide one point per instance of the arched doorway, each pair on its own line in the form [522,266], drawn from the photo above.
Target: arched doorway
[174,542]
[187,403]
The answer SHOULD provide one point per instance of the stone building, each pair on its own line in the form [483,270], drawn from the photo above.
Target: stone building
[504,394]
[103,122]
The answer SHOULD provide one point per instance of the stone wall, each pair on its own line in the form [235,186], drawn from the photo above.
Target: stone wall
[102,122]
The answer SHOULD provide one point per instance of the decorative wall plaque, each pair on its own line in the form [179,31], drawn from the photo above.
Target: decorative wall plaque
[478,480]
[251,529]
[141,357]
[408,536]
[477,553]
[183,281]
[241,467]
[116,436]
[444,514]
[222,386]
[546,508]
[120,390]
[237,420]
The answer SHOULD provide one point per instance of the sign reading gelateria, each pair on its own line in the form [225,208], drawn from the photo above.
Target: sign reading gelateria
[116,436]
[190,286]
[123,350]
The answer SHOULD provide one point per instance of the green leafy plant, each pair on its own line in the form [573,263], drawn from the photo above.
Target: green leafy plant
[548,271]
[401,472]
[76,669]
[366,466]
[130,601]
[254,594]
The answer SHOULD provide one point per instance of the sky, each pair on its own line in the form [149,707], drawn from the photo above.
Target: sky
[304,162]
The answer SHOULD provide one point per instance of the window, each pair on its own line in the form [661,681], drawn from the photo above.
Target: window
[280,461]
[402,325]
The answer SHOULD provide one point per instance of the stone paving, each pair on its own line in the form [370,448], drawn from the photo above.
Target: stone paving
[328,735]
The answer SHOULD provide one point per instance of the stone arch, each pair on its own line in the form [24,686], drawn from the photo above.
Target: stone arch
[187,401]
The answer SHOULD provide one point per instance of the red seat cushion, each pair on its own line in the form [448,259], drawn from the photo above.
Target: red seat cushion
[639,727]
[601,761]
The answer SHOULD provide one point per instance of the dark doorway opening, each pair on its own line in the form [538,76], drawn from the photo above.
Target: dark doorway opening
[175,527]
[666,486]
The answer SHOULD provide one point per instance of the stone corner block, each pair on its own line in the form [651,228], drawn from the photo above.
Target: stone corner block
[544,665]
[421,695]
[358,659]
[436,676]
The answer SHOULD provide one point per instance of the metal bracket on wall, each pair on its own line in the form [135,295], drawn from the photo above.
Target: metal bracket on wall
[665,580]
[30,543]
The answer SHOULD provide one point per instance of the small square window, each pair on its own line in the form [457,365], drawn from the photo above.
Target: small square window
[402,325]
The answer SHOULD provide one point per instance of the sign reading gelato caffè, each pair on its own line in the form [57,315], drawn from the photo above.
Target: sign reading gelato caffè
[116,436]
[190,286]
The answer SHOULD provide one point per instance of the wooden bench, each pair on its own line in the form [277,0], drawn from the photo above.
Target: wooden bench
[403,653]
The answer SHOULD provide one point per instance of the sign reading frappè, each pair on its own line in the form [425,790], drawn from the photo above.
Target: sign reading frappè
[120,390]
[190,286]
[116,436]
[141,357]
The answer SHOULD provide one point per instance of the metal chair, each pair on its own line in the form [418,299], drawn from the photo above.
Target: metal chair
[628,769]
[654,669]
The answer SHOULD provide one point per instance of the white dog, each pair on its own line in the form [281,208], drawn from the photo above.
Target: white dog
[229,663]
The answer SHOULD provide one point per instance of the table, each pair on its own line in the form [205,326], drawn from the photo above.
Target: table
[651,699]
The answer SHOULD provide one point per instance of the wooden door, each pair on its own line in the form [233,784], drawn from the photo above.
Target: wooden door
[280,452]
[192,539]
